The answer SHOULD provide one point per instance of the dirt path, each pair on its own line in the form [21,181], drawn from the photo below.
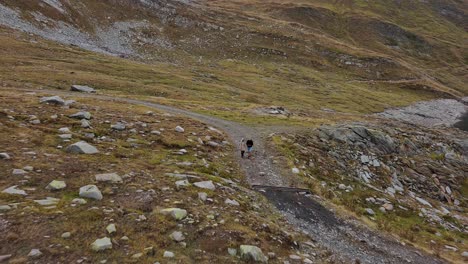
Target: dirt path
[350,242]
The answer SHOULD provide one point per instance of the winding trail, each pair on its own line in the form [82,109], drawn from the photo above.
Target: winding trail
[349,241]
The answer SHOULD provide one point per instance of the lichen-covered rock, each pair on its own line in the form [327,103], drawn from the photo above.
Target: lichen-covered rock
[56,185]
[176,213]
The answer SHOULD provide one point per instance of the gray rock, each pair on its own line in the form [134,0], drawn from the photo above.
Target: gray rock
[118,126]
[108,177]
[66,235]
[156,132]
[365,159]
[4,156]
[101,244]
[82,88]
[111,228]
[179,129]
[19,172]
[232,252]
[49,201]
[66,136]
[57,100]
[176,213]
[168,254]
[342,187]
[85,123]
[202,196]
[35,253]
[253,253]
[79,201]
[90,191]
[212,144]
[231,202]
[464,254]
[5,208]
[423,202]
[182,183]
[177,236]
[205,185]
[369,211]
[64,130]
[81,115]
[14,190]
[81,148]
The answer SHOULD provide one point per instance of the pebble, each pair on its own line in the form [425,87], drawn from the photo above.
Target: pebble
[66,235]
[35,253]
[179,129]
[168,254]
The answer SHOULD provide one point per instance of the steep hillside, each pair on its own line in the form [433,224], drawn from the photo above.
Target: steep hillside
[409,44]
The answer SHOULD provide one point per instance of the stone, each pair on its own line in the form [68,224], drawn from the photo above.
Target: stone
[177,236]
[90,191]
[81,148]
[179,129]
[205,185]
[101,244]
[307,261]
[156,132]
[49,201]
[108,177]
[66,235]
[231,202]
[64,130]
[5,208]
[423,202]
[124,238]
[295,257]
[111,228]
[464,254]
[119,126]
[34,253]
[175,213]
[81,115]
[137,255]
[4,156]
[82,89]
[212,144]
[57,100]
[85,123]
[365,159]
[181,184]
[65,136]
[254,253]
[369,211]
[79,201]
[232,252]
[56,185]
[168,254]
[342,187]
[14,190]
[388,207]
[454,249]
[202,196]
[19,172]
[295,170]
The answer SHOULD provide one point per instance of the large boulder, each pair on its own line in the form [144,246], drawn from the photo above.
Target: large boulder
[252,253]
[82,89]
[90,191]
[57,100]
[81,148]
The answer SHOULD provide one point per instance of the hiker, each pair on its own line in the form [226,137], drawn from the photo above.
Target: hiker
[249,145]
[242,147]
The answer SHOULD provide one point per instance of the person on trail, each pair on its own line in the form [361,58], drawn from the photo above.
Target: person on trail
[242,147]
[249,144]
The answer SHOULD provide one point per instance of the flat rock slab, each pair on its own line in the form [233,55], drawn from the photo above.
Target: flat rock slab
[56,185]
[14,190]
[205,185]
[176,213]
[81,148]
[81,115]
[57,100]
[101,244]
[82,89]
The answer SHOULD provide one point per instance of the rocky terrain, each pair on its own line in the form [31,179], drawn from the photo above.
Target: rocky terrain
[407,180]
[94,182]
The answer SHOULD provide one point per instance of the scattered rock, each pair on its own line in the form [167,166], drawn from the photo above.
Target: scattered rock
[464,254]
[423,202]
[168,254]
[82,89]
[231,202]
[81,148]
[369,211]
[176,213]
[101,244]
[56,185]
[177,236]
[14,190]
[19,172]
[202,196]
[111,228]
[181,184]
[179,129]
[66,235]
[81,115]
[108,177]
[205,185]
[388,207]
[57,100]
[64,130]
[49,201]
[295,170]
[212,144]
[4,156]
[232,252]
[90,191]
[85,123]
[5,208]
[66,136]
[35,253]
[254,253]
[118,126]
[79,201]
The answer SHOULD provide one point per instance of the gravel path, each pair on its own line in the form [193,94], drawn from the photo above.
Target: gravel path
[350,242]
